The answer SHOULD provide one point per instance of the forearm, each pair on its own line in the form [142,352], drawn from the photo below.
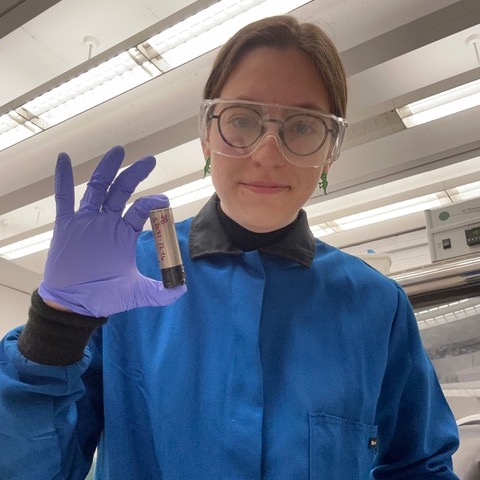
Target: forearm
[53,337]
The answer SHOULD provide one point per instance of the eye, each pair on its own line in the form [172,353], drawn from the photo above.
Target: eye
[237,118]
[301,128]
[242,121]
[303,125]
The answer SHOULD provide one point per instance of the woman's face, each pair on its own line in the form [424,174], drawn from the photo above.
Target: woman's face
[264,192]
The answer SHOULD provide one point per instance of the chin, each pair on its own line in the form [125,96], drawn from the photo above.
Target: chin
[260,217]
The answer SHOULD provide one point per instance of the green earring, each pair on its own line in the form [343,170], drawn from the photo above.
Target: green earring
[206,168]
[323,184]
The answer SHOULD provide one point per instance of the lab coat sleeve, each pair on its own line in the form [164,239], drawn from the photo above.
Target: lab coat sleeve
[417,431]
[50,416]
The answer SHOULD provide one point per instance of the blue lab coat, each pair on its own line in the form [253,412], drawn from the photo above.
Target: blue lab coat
[289,363]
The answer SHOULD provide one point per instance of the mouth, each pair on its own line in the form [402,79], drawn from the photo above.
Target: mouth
[265,187]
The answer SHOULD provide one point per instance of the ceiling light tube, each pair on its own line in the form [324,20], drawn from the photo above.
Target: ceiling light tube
[389,212]
[464,192]
[101,83]
[27,246]
[14,132]
[202,37]
[321,230]
[191,192]
[441,105]
[448,313]
[462,389]
[87,90]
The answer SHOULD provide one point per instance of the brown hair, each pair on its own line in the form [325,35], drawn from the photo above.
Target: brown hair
[283,31]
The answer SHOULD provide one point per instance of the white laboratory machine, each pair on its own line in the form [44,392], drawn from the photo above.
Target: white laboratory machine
[454,230]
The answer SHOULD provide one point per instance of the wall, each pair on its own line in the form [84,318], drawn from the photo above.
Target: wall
[14,308]
[464,406]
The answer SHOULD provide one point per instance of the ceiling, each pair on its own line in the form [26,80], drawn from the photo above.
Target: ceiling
[394,52]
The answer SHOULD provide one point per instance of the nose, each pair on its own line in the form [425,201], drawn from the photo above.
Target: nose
[269,152]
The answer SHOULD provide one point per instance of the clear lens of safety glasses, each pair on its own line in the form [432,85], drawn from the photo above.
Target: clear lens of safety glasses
[236,128]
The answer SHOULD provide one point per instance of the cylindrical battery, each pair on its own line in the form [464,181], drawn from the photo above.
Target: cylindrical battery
[168,251]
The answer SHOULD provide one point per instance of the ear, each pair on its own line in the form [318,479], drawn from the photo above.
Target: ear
[206,150]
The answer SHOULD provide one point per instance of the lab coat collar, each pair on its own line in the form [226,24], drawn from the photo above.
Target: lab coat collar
[208,237]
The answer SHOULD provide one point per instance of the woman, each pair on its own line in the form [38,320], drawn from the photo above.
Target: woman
[286,358]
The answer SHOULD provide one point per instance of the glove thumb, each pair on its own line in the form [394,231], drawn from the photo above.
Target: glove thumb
[152,293]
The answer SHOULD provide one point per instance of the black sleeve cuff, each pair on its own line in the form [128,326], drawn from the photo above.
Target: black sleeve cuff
[53,337]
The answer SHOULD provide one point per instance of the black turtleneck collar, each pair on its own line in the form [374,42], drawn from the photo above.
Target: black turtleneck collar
[212,232]
[247,240]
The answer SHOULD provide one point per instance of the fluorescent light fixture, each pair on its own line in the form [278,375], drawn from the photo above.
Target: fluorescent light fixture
[191,192]
[462,389]
[175,46]
[381,214]
[321,229]
[441,105]
[14,129]
[101,83]
[395,210]
[199,34]
[188,193]
[448,313]
[97,85]
[464,192]
[26,247]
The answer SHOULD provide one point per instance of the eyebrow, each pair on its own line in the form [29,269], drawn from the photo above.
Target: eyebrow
[306,105]
[311,106]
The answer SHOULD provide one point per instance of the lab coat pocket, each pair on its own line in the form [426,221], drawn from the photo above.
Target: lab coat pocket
[340,449]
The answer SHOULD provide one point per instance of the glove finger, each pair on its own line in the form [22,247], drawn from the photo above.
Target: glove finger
[102,178]
[138,213]
[126,183]
[64,188]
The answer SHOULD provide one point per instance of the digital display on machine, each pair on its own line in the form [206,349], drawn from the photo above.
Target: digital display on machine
[473,236]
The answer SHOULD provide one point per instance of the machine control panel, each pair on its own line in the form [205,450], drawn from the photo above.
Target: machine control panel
[453,230]
[472,236]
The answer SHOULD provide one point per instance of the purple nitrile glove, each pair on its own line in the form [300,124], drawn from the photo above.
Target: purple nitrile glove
[91,267]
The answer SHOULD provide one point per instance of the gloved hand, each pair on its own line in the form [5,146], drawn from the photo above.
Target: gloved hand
[91,267]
